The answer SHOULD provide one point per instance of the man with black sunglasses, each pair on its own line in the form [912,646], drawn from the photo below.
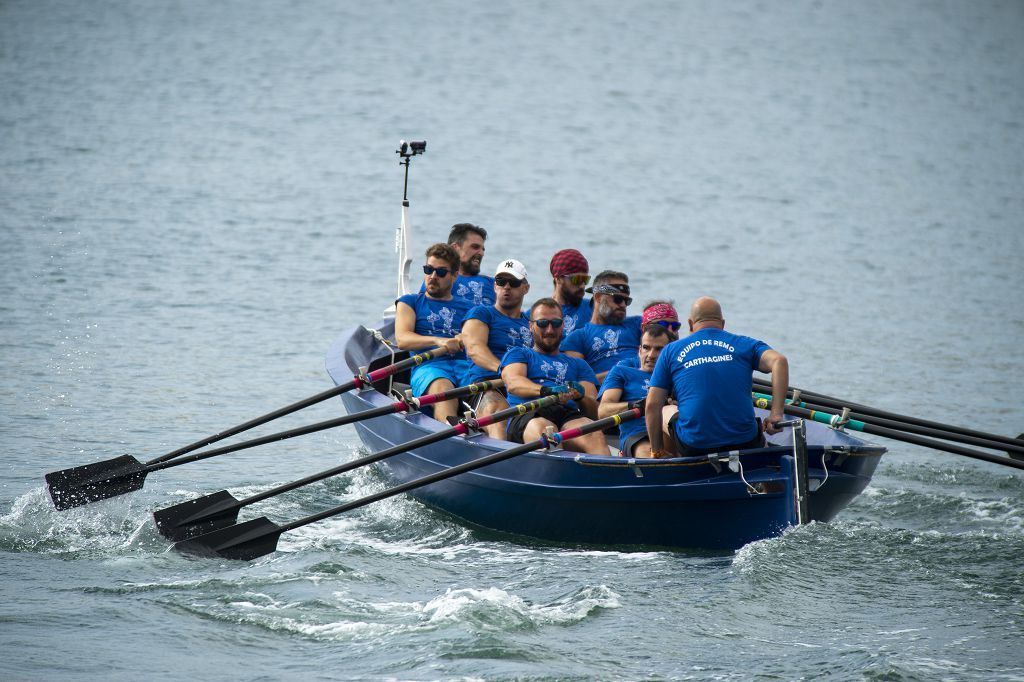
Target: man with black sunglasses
[433,319]
[542,370]
[610,336]
[490,331]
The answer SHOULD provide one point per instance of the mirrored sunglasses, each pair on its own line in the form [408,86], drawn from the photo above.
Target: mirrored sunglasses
[441,272]
[544,324]
[577,280]
[669,324]
[507,282]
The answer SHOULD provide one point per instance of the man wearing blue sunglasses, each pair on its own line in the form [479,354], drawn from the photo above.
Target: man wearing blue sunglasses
[433,319]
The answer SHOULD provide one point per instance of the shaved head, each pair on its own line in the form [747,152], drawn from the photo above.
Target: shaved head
[706,312]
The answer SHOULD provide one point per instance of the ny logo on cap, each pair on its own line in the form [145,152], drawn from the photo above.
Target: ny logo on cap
[509,263]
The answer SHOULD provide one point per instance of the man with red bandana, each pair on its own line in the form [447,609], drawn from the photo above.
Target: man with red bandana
[661,314]
[570,274]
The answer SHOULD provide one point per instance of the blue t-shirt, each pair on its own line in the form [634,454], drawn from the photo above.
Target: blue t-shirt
[604,345]
[547,370]
[477,289]
[438,318]
[634,383]
[504,332]
[710,373]
[575,316]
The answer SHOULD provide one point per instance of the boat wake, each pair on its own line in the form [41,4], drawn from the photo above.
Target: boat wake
[115,528]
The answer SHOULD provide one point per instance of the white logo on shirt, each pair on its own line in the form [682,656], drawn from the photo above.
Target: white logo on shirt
[446,316]
[609,339]
[558,367]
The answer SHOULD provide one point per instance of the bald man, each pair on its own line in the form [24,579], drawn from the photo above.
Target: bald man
[710,374]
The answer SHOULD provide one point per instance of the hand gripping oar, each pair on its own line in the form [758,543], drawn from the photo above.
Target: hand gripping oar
[109,478]
[220,509]
[1014,451]
[255,538]
[836,403]
[833,419]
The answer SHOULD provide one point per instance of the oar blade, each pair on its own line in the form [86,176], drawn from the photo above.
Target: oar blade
[245,541]
[197,517]
[98,481]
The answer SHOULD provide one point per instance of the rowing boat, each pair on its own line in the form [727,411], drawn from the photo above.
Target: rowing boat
[721,501]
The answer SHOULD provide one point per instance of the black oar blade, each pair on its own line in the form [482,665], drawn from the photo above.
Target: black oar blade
[196,517]
[98,481]
[245,541]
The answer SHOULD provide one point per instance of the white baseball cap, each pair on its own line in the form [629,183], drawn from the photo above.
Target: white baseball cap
[511,267]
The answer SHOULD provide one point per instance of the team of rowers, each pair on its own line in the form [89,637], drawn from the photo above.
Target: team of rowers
[694,392]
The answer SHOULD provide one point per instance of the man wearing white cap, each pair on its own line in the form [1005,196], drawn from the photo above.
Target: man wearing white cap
[489,331]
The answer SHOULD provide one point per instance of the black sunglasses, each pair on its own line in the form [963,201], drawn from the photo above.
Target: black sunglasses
[544,324]
[508,282]
[441,272]
[619,299]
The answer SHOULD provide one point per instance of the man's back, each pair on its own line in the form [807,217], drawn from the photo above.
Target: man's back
[710,374]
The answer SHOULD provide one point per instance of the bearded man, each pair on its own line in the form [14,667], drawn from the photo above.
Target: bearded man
[610,336]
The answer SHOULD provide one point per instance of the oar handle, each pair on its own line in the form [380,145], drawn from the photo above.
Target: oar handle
[865,410]
[543,442]
[944,434]
[830,418]
[357,382]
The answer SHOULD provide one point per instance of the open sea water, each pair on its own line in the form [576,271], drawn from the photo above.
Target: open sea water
[196,198]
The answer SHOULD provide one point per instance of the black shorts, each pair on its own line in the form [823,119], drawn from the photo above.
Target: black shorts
[686,451]
[558,414]
[627,450]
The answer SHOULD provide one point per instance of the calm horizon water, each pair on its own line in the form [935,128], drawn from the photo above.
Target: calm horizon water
[196,199]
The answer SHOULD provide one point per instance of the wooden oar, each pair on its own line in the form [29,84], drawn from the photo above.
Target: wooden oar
[255,538]
[220,509]
[837,403]
[832,418]
[1013,450]
[109,478]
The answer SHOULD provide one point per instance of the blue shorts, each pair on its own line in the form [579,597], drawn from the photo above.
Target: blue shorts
[428,373]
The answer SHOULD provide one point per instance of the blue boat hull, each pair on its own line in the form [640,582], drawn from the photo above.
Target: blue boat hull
[571,498]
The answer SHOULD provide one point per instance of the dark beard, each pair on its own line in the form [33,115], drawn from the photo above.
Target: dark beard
[540,344]
[470,267]
[573,299]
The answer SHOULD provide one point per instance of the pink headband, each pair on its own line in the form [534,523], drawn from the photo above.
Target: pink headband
[658,311]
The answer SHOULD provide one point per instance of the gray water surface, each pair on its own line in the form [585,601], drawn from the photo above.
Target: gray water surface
[197,198]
